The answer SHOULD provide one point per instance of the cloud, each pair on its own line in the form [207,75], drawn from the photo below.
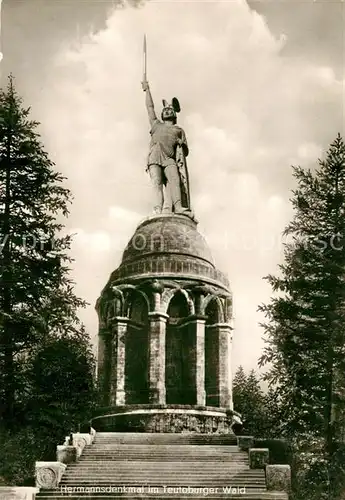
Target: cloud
[248,111]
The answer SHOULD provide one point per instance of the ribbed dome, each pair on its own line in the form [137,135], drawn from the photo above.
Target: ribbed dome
[167,234]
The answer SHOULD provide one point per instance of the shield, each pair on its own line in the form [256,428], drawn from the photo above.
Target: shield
[184,180]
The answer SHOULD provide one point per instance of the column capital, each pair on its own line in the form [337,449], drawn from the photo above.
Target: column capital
[198,318]
[119,319]
[194,319]
[156,286]
[105,332]
[158,315]
[223,326]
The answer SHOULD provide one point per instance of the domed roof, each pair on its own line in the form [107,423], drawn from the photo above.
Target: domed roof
[167,234]
[168,247]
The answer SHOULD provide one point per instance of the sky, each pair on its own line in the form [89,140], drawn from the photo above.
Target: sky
[261,87]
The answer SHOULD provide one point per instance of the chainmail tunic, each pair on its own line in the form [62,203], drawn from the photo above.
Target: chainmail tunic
[164,139]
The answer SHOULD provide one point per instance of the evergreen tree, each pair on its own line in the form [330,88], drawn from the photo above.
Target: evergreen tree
[249,402]
[61,379]
[274,414]
[305,342]
[36,297]
[239,384]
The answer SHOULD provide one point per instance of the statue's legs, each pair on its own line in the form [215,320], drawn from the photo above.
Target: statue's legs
[173,178]
[157,176]
[167,205]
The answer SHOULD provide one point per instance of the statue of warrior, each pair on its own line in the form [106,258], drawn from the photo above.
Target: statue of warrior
[167,158]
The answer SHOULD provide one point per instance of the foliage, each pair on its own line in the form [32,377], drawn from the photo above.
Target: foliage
[249,401]
[280,450]
[304,328]
[37,296]
[61,377]
[18,453]
[46,363]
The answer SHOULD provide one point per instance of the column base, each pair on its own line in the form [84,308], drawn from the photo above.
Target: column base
[165,419]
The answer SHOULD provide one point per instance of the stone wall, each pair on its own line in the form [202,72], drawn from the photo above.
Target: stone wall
[168,420]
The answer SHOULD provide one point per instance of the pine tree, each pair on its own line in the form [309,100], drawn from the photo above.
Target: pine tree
[305,342]
[249,402]
[238,388]
[275,416]
[36,292]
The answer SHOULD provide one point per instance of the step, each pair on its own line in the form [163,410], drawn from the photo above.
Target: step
[135,458]
[162,478]
[151,465]
[158,484]
[254,495]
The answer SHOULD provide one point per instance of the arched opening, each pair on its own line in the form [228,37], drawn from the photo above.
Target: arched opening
[212,313]
[137,342]
[180,350]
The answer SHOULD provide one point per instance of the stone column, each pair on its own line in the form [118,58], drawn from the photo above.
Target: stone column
[117,385]
[104,363]
[157,391]
[225,392]
[200,361]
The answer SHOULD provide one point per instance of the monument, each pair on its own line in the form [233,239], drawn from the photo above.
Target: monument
[165,314]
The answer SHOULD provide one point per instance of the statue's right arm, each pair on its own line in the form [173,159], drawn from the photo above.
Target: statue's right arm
[149,103]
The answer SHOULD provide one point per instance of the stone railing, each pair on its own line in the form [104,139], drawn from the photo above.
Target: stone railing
[278,476]
[18,493]
[49,474]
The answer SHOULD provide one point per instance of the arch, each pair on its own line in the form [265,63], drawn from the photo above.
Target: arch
[110,304]
[213,308]
[179,351]
[214,312]
[172,298]
[136,309]
[166,298]
[178,307]
[131,293]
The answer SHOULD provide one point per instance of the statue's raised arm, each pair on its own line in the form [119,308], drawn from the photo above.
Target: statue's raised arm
[149,102]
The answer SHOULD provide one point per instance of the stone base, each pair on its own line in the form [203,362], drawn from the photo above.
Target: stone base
[167,418]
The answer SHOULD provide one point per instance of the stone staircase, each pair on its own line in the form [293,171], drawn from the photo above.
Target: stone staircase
[162,466]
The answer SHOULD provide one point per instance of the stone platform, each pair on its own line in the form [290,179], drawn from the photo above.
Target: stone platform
[164,419]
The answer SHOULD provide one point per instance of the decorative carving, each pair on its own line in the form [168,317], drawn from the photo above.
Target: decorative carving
[46,478]
[48,474]
[80,441]
[157,286]
[198,293]
[278,477]
[167,422]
